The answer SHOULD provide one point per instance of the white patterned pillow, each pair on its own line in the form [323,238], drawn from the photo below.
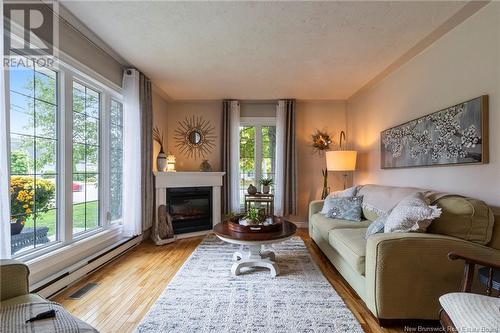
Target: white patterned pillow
[329,204]
[413,213]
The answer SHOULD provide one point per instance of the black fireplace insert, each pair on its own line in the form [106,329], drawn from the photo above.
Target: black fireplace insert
[190,208]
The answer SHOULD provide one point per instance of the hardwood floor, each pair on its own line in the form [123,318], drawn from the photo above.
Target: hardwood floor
[128,286]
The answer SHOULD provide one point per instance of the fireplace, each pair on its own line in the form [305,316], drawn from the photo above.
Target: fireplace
[190,208]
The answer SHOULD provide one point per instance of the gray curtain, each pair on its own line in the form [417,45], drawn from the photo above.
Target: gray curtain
[147,179]
[290,160]
[226,159]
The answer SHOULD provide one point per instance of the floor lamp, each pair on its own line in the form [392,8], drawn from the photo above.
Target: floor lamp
[341,160]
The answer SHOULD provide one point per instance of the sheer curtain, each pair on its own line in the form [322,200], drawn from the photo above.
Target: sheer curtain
[235,155]
[4,175]
[231,156]
[132,207]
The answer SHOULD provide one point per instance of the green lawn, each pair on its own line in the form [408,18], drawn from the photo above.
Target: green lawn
[49,219]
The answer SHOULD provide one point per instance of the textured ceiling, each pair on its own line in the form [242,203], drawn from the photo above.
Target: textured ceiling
[261,50]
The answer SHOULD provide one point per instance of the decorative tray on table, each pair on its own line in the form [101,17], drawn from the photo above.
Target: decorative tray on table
[240,223]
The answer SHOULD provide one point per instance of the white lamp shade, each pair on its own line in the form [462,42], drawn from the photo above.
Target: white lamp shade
[341,160]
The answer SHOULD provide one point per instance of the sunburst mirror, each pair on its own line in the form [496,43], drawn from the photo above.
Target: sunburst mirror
[195,137]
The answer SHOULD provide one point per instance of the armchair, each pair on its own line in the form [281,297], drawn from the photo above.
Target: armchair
[467,311]
[14,285]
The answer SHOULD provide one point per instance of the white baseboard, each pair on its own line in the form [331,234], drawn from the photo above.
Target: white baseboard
[56,283]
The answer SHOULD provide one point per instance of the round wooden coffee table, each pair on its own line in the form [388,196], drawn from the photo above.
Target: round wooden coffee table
[255,256]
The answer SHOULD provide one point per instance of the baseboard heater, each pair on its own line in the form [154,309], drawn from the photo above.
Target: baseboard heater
[57,283]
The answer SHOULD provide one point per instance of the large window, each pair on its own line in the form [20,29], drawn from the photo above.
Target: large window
[116,160]
[65,180]
[33,156]
[86,142]
[257,153]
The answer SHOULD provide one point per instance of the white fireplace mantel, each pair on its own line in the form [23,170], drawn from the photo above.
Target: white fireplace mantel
[166,180]
[188,179]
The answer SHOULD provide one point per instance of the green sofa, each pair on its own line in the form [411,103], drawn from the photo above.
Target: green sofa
[402,275]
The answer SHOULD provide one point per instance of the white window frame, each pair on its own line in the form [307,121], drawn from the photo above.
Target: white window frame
[67,72]
[258,123]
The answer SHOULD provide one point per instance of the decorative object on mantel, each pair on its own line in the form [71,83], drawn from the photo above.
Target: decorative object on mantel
[161,159]
[326,188]
[205,166]
[455,135]
[252,189]
[341,160]
[170,163]
[195,137]
[321,141]
[163,232]
[266,185]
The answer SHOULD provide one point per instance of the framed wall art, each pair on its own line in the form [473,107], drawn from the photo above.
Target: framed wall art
[455,135]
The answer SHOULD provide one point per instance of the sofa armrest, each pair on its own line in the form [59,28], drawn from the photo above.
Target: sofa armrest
[406,273]
[13,279]
[314,208]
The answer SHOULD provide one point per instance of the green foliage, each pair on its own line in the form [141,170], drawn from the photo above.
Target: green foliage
[20,163]
[266,181]
[254,215]
[247,149]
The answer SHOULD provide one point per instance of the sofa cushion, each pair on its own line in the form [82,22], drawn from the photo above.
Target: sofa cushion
[351,245]
[26,298]
[328,204]
[324,224]
[345,208]
[379,199]
[413,213]
[464,218]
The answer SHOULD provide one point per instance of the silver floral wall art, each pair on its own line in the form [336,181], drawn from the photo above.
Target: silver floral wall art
[455,135]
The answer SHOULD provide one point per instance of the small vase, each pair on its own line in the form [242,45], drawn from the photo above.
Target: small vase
[161,162]
[266,189]
[205,166]
[252,189]
[16,226]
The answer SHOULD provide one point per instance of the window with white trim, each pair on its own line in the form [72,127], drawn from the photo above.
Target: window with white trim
[257,152]
[66,156]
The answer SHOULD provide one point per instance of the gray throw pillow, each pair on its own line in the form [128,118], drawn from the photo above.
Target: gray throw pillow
[346,208]
[377,226]
[328,204]
[413,213]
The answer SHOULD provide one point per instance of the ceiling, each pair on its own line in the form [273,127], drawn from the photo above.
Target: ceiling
[261,50]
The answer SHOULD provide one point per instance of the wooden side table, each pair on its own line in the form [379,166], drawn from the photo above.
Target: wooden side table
[266,199]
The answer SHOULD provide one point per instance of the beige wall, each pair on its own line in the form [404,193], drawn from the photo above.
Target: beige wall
[463,64]
[313,115]
[168,114]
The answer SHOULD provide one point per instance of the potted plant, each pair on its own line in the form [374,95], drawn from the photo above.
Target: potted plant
[254,216]
[161,159]
[266,185]
[25,196]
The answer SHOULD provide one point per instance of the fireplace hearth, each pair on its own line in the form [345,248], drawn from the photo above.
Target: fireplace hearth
[190,208]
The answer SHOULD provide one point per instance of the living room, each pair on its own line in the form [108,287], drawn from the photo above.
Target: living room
[250,166]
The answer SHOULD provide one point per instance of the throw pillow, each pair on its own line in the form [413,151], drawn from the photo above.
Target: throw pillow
[377,226]
[327,205]
[413,213]
[346,208]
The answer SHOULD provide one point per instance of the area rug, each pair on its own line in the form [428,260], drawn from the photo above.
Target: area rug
[204,297]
